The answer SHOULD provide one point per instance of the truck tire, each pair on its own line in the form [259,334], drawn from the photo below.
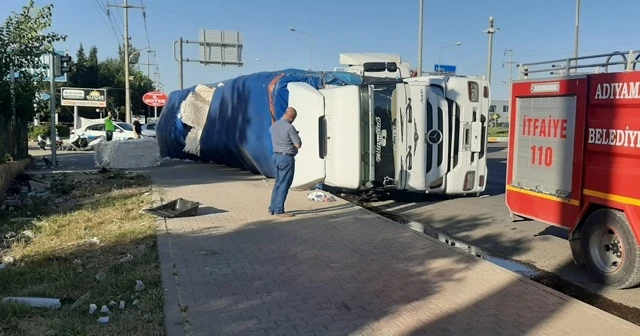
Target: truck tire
[611,252]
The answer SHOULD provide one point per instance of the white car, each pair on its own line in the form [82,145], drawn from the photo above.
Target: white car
[123,131]
[149,130]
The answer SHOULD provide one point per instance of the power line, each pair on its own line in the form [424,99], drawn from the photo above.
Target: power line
[105,11]
[144,18]
[118,15]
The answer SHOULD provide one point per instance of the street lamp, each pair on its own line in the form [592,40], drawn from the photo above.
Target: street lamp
[310,42]
[457,44]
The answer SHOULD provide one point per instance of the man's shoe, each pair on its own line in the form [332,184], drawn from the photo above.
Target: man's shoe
[284,215]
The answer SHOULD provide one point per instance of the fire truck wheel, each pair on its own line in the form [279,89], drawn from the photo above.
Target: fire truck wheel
[612,255]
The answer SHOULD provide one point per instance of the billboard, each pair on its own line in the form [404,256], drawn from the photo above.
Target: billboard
[219,47]
[83,97]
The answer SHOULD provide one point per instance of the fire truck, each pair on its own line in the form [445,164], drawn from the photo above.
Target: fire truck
[574,156]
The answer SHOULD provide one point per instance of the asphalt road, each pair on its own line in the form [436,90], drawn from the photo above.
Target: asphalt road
[485,223]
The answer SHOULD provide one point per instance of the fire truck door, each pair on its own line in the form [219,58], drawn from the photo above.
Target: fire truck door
[544,142]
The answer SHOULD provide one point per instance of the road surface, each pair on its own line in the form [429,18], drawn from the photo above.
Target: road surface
[485,223]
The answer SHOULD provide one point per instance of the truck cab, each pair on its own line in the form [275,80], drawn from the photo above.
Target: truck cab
[420,135]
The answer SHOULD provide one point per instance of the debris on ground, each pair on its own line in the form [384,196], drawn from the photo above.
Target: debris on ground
[103,319]
[3,266]
[121,305]
[22,219]
[112,303]
[105,309]
[94,241]
[36,302]
[126,258]
[39,187]
[101,277]
[139,286]
[135,302]
[26,236]
[8,260]
[92,308]
[319,196]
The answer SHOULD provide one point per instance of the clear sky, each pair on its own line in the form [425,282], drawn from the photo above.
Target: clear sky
[535,31]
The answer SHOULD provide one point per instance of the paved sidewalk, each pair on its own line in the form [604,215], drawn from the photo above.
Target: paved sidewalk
[336,269]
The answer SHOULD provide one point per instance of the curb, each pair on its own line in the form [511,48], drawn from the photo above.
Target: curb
[498,139]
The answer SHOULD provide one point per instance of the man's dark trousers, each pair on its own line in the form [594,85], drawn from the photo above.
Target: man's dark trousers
[109,135]
[285,165]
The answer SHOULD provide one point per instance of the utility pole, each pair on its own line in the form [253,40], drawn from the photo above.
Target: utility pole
[127,84]
[181,68]
[491,30]
[52,100]
[510,63]
[149,64]
[577,38]
[420,37]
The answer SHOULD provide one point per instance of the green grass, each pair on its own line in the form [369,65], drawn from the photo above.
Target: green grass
[498,132]
[61,261]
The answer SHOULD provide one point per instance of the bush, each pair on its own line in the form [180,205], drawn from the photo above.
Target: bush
[45,131]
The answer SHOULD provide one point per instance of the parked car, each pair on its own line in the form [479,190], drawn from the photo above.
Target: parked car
[123,131]
[149,130]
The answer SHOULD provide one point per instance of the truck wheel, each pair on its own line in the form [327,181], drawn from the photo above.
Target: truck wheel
[611,253]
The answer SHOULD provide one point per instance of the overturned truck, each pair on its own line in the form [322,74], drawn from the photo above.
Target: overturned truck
[360,133]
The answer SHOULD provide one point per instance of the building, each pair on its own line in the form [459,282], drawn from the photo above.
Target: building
[501,108]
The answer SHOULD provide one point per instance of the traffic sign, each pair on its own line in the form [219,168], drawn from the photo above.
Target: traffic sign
[155,99]
[441,68]
[44,70]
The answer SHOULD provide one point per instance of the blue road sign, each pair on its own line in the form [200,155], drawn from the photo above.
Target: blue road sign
[441,68]
[45,70]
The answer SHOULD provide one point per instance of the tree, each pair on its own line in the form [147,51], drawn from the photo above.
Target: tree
[23,39]
[109,73]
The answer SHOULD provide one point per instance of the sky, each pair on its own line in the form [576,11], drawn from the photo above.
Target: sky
[535,30]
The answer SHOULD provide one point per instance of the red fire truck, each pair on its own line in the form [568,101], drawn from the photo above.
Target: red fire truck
[574,157]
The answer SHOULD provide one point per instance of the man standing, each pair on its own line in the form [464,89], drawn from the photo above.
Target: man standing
[109,128]
[286,142]
[137,127]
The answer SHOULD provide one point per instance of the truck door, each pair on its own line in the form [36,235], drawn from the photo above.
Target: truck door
[310,123]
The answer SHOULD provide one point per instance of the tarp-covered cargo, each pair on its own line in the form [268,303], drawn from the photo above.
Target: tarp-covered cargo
[228,122]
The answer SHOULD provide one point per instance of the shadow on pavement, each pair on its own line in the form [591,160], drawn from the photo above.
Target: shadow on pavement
[346,273]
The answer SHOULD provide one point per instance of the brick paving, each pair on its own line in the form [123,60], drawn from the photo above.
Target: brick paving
[336,269]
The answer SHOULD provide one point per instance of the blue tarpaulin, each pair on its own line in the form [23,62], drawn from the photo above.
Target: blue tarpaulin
[236,130]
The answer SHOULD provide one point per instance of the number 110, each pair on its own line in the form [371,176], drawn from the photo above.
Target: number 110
[542,154]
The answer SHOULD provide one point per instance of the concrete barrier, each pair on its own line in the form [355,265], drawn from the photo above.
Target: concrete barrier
[498,139]
[9,171]
[127,154]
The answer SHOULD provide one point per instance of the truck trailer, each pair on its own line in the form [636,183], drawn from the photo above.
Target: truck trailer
[360,133]
[573,156]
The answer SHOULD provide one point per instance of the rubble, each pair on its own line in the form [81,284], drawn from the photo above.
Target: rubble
[105,309]
[36,302]
[101,277]
[139,286]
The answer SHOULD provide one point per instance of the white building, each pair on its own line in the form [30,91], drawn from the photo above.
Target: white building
[501,108]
